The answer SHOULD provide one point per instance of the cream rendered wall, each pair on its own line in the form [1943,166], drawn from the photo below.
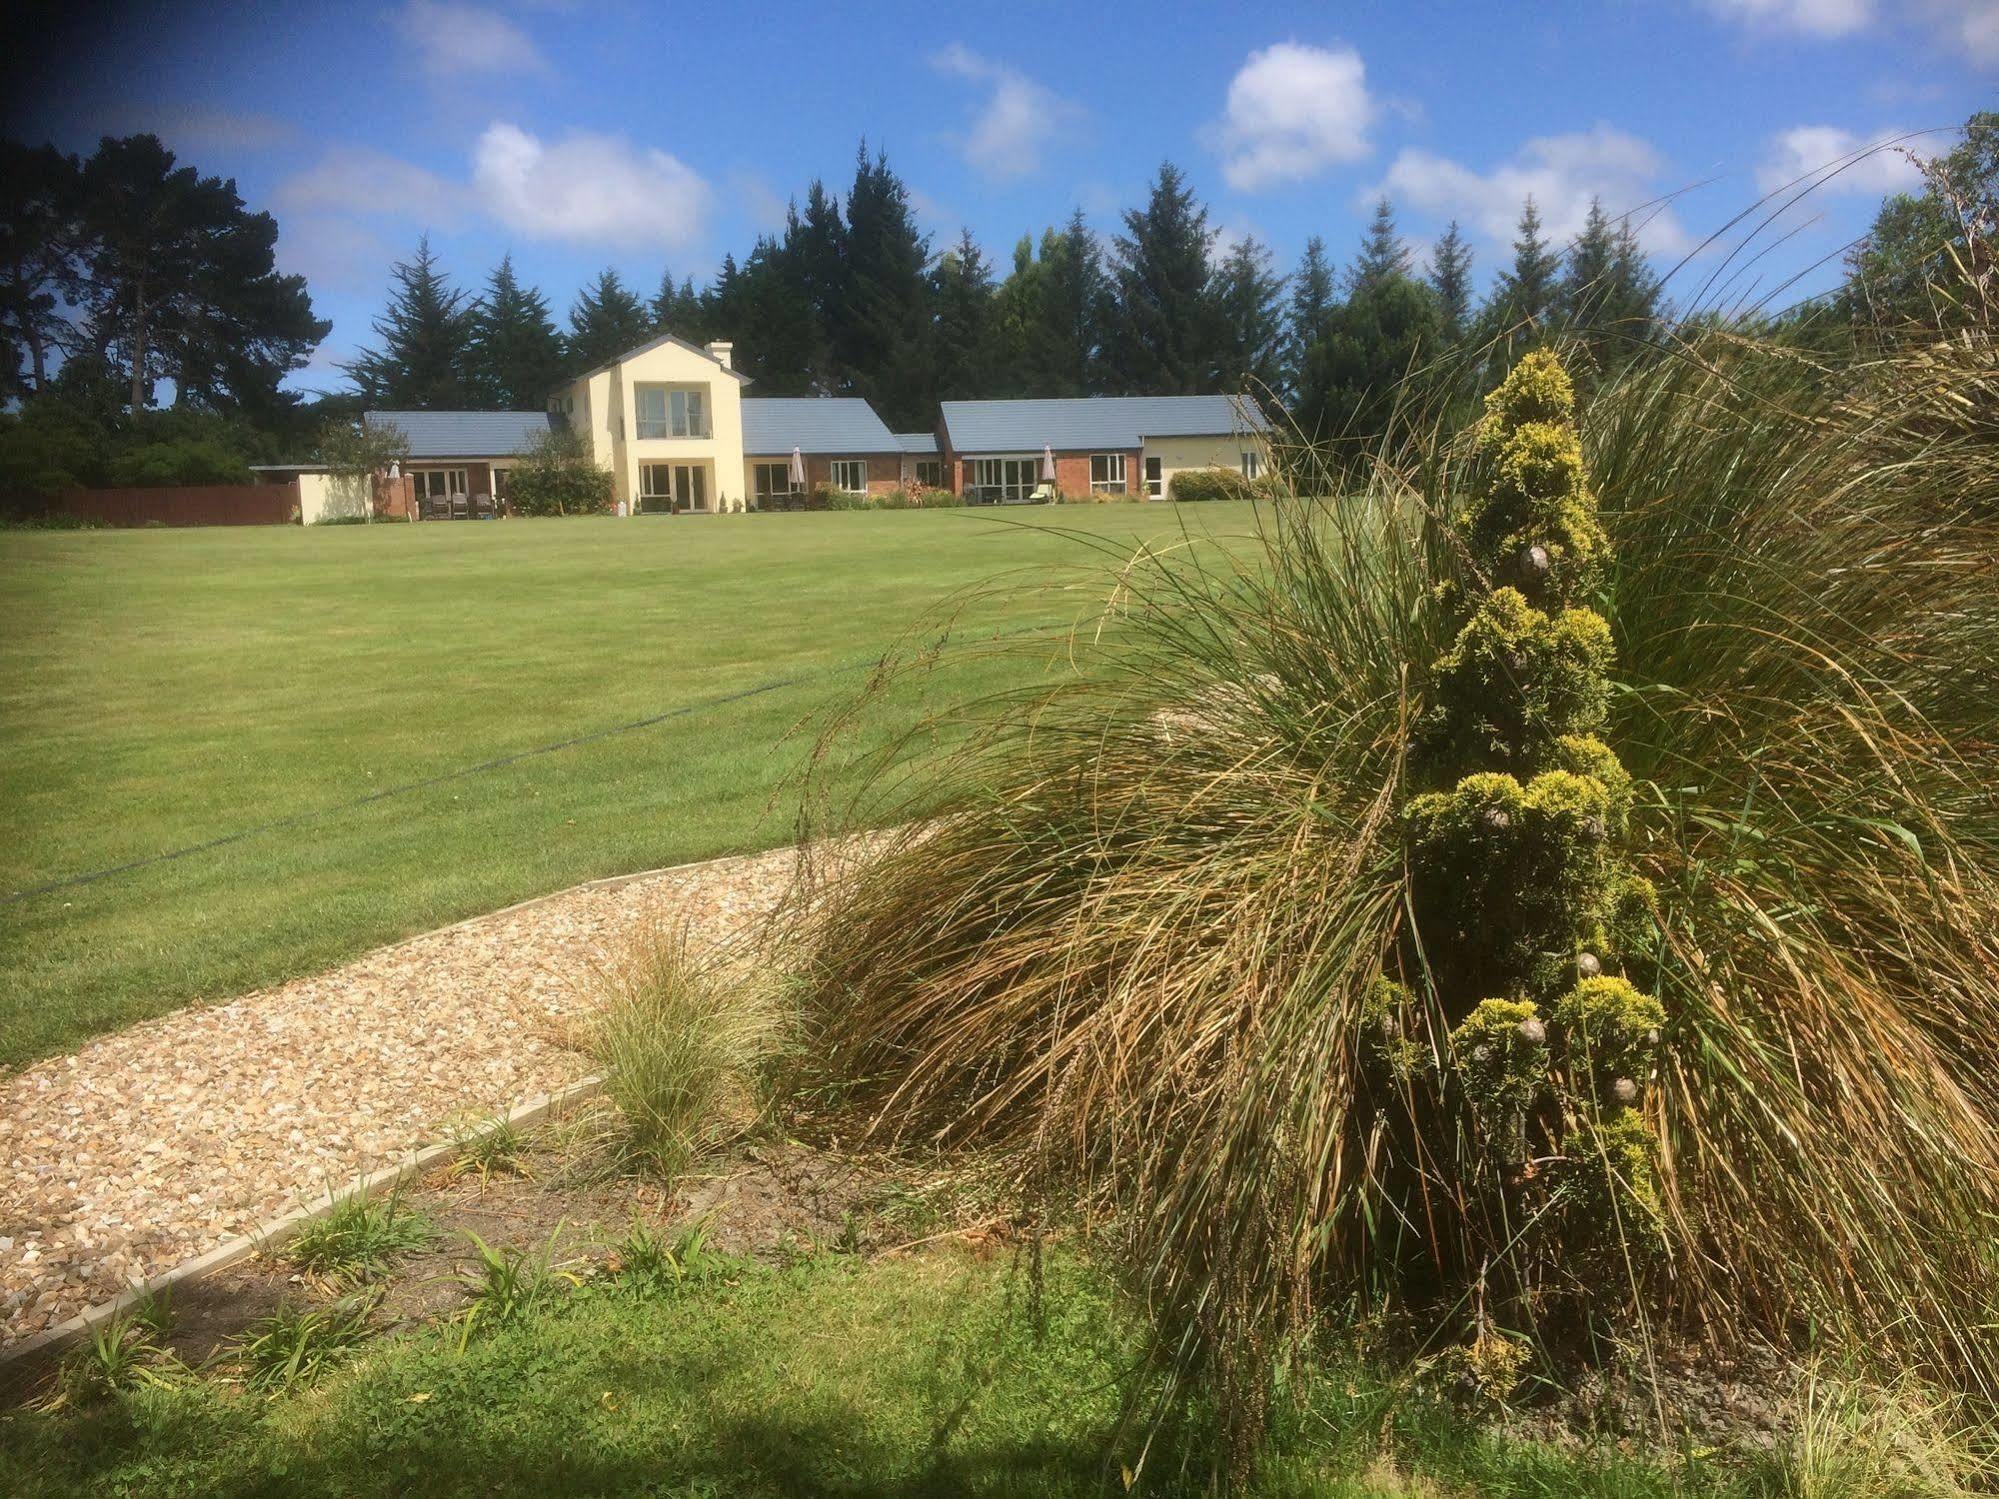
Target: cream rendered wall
[1177,453]
[721,450]
[333,496]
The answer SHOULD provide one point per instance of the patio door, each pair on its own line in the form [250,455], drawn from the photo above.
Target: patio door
[690,486]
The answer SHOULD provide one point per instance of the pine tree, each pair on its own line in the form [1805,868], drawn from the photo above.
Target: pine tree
[815,250]
[1450,279]
[762,307]
[676,309]
[1609,294]
[1312,303]
[425,359]
[1248,299]
[1163,337]
[1075,310]
[1382,251]
[965,327]
[516,355]
[606,320]
[1528,292]
[1355,397]
[883,340]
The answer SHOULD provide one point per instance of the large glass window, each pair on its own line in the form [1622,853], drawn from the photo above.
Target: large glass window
[772,481]
[672,411]
[1000,479]
[1107,473]
[851,474]
[673,486]
[439,483]
[1155,480]
[930,473]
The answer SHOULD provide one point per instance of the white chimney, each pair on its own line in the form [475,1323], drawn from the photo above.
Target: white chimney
[720,351]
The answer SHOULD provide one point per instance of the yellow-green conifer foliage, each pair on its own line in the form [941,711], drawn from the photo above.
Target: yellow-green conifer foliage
[1523,903]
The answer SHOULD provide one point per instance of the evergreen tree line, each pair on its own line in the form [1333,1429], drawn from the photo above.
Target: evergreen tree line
[850,299]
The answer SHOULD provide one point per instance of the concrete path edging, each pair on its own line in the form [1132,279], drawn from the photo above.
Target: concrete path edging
[274,1231]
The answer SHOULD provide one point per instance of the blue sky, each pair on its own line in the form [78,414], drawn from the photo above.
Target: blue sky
[585,133]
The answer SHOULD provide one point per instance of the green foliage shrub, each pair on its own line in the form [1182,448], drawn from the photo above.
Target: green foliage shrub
[1192,485]
[559,476]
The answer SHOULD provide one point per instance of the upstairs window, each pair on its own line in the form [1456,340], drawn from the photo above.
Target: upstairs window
[672,411]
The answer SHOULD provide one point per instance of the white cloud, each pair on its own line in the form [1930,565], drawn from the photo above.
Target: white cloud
[1294,110]
[1562,172]
[456,40]
[1967,26]
[351,179]
[595,189]
[1018,120]
[1835,161]
[1966,29]
[1826,18]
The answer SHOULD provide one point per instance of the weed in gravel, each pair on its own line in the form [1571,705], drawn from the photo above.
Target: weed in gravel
[506,1284]
[296,1343]
[489,1147]
[359,1238]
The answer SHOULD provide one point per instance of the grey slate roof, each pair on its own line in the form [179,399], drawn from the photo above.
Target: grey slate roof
[813,424]
[916,442]
[465,434]
[1098,423]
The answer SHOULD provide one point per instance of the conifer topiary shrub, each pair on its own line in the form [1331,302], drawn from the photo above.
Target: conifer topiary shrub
[1513,981]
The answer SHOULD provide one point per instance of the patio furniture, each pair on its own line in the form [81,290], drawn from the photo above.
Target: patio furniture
[461,507]
[483,508]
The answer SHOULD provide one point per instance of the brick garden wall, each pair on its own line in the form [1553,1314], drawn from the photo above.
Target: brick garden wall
[184,505]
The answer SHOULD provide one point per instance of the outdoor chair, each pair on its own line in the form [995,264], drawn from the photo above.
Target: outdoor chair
[482,507]
[461,507]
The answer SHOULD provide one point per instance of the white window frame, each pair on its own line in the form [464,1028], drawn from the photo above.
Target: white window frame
[454,482]
[1112,468]
[772,480]
[1012,475]
[1155,476]
[682,412]
[1252,464]
[675,493]
[934,467]
[854,468]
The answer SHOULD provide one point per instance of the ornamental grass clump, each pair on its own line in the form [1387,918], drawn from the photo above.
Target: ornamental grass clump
[1552,894]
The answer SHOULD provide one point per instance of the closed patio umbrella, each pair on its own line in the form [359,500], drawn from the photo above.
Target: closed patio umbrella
[797,469]
[1047,463]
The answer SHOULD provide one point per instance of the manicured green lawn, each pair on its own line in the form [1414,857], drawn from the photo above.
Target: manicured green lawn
[162,689]
[930,1375]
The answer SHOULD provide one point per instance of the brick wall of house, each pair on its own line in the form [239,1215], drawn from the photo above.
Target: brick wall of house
[884,471]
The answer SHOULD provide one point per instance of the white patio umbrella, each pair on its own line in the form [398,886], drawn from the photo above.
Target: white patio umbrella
[1047,463]
[797,469]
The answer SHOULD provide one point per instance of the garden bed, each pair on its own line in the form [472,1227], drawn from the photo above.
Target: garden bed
[154,1145]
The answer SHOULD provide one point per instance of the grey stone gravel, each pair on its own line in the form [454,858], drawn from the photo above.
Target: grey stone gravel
[155,1144]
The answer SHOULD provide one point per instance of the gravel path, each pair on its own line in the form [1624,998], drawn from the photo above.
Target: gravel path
[156,1144]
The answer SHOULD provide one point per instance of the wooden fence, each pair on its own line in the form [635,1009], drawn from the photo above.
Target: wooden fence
[185,505]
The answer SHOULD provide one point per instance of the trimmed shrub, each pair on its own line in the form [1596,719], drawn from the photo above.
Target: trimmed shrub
[560,476]
[1192,485]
